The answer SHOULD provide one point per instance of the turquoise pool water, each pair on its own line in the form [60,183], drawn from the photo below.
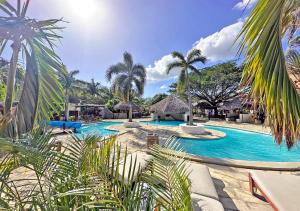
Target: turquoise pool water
[238,145]
[97,129]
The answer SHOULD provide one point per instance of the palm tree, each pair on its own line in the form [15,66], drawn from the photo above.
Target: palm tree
[266,67]
[93,88]
[41,90]
[184,65]
[105,94]
[127,78]
[68,82]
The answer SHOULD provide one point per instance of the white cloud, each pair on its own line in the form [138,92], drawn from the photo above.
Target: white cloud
[245,3]
[163,87]
[157,72]
[220,45]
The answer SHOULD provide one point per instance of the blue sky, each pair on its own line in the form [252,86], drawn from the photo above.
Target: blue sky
[99,31]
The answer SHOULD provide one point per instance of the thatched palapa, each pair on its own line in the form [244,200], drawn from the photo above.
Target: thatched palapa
[171,104]
[125,106]
[107,114]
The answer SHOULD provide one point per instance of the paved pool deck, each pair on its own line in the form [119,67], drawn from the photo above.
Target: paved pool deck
[231,182]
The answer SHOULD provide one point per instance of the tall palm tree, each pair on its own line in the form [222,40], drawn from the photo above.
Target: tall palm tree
[127,78]
[68,82]
[266,67]
[41,91]
[93,88]
[184,65]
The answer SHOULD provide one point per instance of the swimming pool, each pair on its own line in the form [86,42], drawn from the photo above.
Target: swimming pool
[237,145]
[98,129]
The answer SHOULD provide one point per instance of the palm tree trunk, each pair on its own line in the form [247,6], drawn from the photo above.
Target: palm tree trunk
[130,105]
[66,105]
[189,99]
[130,112]
[10,84]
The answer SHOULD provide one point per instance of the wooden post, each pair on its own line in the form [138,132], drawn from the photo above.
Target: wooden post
[152,139]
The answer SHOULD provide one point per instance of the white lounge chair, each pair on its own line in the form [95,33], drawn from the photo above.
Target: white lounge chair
[141,160]
[281,191]
[203,191]
[204,194]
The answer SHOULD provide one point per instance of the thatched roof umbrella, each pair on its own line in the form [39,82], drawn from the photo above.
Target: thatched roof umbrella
[171,104]
[106,113]
[125,106]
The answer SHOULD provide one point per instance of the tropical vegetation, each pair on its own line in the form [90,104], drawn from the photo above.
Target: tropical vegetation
[214,84]
[184,65]
[268,64]
[127,80]
[68,82]
[41,91]
[90,174]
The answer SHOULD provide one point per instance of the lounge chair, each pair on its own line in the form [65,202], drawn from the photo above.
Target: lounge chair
[281,191]
[141,161]
[203,191]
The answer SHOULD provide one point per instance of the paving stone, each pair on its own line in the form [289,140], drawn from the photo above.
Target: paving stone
[228,203]
[259,207]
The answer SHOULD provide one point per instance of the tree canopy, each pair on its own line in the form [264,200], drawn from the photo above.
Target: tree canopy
[214,84]
[217,83]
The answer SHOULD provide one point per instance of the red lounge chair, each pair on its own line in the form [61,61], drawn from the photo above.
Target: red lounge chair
[281,191]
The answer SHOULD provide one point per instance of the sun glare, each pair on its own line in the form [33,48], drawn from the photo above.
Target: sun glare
[84,9]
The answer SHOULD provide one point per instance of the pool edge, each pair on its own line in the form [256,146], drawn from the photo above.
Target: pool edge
[257,165]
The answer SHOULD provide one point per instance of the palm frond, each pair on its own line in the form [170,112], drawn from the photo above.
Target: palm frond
[174,65]
[194,69]
[295,42]
[26,109]
[74,72]
[115,70]
[265,68]
[168,176]
[195,55]
[201,59]
[90,174]
[42,92]
[118,84]
[178,55]
[50,89]
[139,71]
[139,86]
[128,61]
